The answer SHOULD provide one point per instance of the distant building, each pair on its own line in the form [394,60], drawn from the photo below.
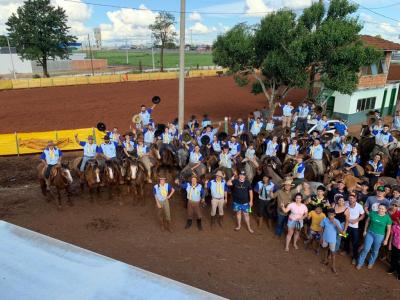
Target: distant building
[97,37]
[374,91]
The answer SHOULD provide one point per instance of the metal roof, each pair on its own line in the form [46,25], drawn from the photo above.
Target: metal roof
[35,266]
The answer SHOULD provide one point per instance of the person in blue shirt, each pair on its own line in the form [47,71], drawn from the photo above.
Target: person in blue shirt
[238,127]
[148,135]
[145,114]
[206,121]
[298,170]
[377,169]
[195,196]
[216,145]
[316,152]
[89,150]
[302,113]
[163,191]
[114,135]
[210,132]
[234,147]
[192,122]
[51,156]
[383,139]
[219,196]
[272,147]
[287,111]
[128,145]
[331,227]
[293,149]
[255,126]
[108,149]
[322,124]
[264,188]
[396,121]
[352,161]
[341,128]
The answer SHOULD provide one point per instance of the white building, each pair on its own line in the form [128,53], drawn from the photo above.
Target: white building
[374,91]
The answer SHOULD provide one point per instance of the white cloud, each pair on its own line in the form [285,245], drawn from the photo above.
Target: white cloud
[366,17]
[200,28]
[296,4]
[256,8]
[77,14]
[195,16]
[386,27]
[128,22]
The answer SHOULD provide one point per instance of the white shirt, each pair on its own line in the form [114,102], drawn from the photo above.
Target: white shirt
[355,213]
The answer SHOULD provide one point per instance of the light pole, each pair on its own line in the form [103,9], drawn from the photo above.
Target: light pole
[12,60]
[152,50]
[181,108]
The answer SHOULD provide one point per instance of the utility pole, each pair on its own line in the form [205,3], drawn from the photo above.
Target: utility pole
[12,61]
[126,48]
[91,55]
[152,50]
[181,109]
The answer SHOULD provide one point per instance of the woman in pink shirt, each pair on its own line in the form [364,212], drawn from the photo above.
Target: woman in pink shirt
[298,212]
[395,247]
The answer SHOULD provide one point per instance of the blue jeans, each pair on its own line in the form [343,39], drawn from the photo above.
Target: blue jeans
[338,239]
[85,159]
[280,224]
[372,242]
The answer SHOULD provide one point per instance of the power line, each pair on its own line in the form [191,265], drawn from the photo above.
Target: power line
[386,6]
[376,13]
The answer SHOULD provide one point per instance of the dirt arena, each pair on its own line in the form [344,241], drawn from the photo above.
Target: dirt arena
[235,265]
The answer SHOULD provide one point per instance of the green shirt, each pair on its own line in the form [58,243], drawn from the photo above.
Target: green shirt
[377,223]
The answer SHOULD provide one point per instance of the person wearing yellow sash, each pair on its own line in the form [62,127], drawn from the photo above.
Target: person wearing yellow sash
[298,170]
[163,191]
[219,197]
[51,156]
[195,196]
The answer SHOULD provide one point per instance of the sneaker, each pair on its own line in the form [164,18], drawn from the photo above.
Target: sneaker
[358,267]
[353,261]
[370,267]
[390,271]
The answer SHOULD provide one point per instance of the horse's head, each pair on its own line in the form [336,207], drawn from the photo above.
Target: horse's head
[65,172]
[92,172]
[154,150]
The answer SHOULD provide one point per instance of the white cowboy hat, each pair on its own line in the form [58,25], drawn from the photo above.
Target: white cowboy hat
[288,181]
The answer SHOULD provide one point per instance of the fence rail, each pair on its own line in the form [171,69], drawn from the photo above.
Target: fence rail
[65,81]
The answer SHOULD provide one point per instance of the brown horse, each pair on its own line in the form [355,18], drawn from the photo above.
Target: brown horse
[60,177]
[110,176]
[135,177]
[92,177]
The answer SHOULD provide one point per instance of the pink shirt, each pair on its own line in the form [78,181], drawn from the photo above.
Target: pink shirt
[396,235]
[297,211]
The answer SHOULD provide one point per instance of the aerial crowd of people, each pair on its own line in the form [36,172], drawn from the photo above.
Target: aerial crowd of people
[301,173]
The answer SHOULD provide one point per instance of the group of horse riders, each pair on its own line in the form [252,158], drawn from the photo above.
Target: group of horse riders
[206,160]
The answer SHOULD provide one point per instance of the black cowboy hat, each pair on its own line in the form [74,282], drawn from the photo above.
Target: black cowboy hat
[175,121]
[158,133]
[161,127]
[156,100]
[205,140]
[101,126]
[222,136]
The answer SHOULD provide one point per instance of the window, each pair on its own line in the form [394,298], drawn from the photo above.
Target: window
[374,69]
[366,103]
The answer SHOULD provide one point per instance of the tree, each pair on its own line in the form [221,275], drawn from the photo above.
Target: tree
[39,32]
[270,54]
[334,52]
[163,32]
[3,41]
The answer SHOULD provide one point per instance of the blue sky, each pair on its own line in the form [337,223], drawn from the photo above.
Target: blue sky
[120,22]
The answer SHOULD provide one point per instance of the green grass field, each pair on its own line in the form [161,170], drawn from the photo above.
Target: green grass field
[171,60]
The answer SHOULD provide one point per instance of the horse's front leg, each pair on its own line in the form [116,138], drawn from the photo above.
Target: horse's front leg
[68,191]
[59,203]
[141,189]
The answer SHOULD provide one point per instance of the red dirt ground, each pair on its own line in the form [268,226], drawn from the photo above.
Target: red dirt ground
[84,106]
[236,265]
[231,264]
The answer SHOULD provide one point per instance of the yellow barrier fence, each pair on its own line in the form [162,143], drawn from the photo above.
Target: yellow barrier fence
[35,142]
[64,81]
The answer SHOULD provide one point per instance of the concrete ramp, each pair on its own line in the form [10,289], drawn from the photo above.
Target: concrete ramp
[35,266]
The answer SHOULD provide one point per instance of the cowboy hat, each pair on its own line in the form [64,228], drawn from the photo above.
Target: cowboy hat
[205,140]
[136,119]
[156,100]
[161,127]
[101,126]
[288,181]
[220,174]
[222,136]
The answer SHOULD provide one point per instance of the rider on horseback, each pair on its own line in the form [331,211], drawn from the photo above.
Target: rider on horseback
[383,139]
[108,150]
[51,157]
[89,150]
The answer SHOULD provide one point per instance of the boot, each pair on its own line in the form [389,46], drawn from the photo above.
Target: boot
[212,221]
[220,220]
[259,222]
[188,223]
[168,226]
[199,226]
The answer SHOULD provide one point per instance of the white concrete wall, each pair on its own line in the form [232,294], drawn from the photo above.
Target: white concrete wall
[21,66]
[342,103]
[366,93]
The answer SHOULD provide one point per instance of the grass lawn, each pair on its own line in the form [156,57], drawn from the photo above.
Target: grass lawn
[171,59]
